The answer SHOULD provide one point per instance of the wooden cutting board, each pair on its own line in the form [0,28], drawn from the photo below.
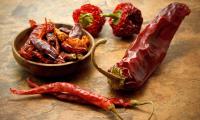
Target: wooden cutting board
[174,87]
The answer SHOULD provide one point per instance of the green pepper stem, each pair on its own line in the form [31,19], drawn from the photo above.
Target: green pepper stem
[85,19]
[137,103]
[107,74]
[113,16]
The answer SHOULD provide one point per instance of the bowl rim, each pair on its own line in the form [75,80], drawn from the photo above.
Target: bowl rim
[55,65]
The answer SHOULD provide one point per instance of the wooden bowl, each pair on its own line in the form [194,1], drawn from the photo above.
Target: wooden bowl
[48,70]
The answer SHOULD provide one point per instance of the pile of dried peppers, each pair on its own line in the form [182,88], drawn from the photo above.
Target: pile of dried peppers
[48,44]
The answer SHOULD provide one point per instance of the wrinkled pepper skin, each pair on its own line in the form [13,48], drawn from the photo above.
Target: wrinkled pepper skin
[147,52]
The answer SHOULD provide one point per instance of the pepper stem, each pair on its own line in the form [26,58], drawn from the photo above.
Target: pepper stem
[113,110]
[111,15]
[114,16]
[107,74]
[137,103]
[85,19]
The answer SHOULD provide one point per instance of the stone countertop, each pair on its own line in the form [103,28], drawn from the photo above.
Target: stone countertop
[174,87]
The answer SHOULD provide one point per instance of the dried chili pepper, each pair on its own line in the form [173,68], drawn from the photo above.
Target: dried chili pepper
[65,30]
[68,48]
[125,20]
[40,57]
[64,87]
[42,45]
[76,31]
[62,36]
[90,17]
[52,40]
[63,57]
[76,45]
[45,48]
[26,51]
[60,96]
[35,39]
[147,52]
[119,102]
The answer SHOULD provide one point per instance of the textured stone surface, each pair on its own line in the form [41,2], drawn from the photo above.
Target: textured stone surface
[174,87]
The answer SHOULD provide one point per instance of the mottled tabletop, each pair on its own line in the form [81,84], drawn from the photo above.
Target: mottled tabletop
[174,87]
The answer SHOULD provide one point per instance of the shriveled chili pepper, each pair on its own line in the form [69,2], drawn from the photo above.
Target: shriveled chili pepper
[65,30]
[42,45]
[68,48]
[52,40]
[40,57]
[76,45]
[35,39]
[76,31]
[90,97]
[125,20]
[76,42]
[62,36]
[45,47]
[26,51]
[148,50]
[63,57]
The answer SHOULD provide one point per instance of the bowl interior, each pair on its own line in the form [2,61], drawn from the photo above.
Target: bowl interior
[23,36]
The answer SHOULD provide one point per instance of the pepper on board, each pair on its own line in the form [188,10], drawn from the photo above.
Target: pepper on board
[147,51]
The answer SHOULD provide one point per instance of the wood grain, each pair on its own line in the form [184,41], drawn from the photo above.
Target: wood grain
[174,87]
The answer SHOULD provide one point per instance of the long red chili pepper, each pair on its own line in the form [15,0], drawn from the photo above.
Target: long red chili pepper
[68,97]
[148,50]
[92,98]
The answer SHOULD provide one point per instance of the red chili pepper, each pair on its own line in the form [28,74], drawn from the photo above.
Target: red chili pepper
[125,20]
[35,39]
[90,97]
[26,51]
[40,57]
[53,41]
[45,47]
[32,23]
[60,96]
[118,102]
[63,57]
[90,17]
[147,52]
[68,48]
